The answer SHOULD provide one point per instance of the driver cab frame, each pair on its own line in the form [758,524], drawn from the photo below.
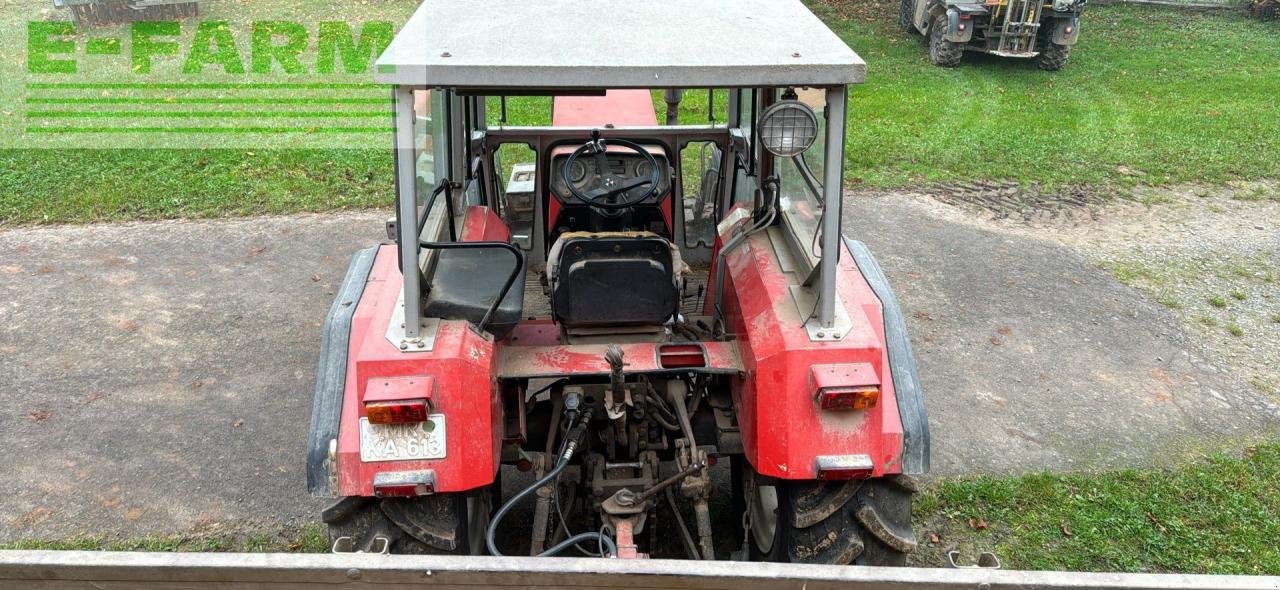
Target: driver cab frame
[461,191]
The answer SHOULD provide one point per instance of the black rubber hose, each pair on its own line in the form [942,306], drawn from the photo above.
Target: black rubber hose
[598,537]
[571,445]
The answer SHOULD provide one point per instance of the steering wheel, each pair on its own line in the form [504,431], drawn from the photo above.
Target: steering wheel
[605,188]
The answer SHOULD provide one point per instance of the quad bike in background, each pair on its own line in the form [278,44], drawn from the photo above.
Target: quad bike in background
[112,12]
[1042,31]
[1265,9]
[637,310]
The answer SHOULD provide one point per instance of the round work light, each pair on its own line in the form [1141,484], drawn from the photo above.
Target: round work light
[788,128]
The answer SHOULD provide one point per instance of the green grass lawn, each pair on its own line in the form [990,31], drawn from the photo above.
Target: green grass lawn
[1221,516]
[1169,95]
[55,186]
[1151,96]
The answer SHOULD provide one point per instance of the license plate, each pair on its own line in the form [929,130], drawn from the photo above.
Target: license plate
[402,442]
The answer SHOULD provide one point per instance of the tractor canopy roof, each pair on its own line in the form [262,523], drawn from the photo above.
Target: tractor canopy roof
[549,45]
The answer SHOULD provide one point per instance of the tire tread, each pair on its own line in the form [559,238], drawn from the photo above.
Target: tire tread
[1053,57]
[426,525]
[864,522]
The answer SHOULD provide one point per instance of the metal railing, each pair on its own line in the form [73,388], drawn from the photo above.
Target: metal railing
[68,570]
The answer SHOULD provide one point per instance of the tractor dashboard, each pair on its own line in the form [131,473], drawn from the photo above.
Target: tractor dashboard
[623,166]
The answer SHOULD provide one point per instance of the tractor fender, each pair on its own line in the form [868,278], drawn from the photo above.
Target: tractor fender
[902,363]
[1066,31]
[331,375]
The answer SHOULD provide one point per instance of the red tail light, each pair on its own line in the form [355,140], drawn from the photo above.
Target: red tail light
[404,484]
[850,386]
[848,398]
[399,400]
[681,356]
[397,412]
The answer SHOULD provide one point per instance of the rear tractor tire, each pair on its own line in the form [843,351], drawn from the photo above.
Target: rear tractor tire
[1053,57]
[441,524]
[865,522]
[943,53]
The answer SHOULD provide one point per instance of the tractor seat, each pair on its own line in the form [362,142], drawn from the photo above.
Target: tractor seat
[465,284]
[613,279]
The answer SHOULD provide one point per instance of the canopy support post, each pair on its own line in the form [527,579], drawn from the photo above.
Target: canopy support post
[837,104]
[407,207]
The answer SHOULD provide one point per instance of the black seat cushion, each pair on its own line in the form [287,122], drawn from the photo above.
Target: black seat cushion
[466,282]
[615,281]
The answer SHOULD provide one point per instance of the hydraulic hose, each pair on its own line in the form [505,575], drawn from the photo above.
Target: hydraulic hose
[566,454]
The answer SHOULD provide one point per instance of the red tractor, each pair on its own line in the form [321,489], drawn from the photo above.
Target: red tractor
[682,299]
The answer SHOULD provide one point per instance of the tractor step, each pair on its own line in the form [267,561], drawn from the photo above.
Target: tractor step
[1022,54]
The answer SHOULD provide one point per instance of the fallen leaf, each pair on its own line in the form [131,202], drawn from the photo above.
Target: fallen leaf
[1066,532]
[315,278]
[934,539]
[982,524]
[39,415]
[238,423]
[1151,517]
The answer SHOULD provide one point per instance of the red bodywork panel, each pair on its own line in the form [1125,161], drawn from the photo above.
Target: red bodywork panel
[620,108]
[458,372]
[481,224]
[461,365]
[783,429]
[528,358]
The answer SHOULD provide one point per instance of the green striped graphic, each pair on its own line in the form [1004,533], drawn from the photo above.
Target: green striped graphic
[204,114]
[210,130]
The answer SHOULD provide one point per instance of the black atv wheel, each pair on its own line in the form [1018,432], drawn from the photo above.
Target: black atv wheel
[943,53]
[864,522]
[441,524]
[1266,9]
[906,16]
[115,12]
[1053,57]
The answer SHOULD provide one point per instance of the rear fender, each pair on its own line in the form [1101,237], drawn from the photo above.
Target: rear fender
[954,33]
[1066,31]
[902,364]
[785,433]
[458,364]
[331,376]
[960,21]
